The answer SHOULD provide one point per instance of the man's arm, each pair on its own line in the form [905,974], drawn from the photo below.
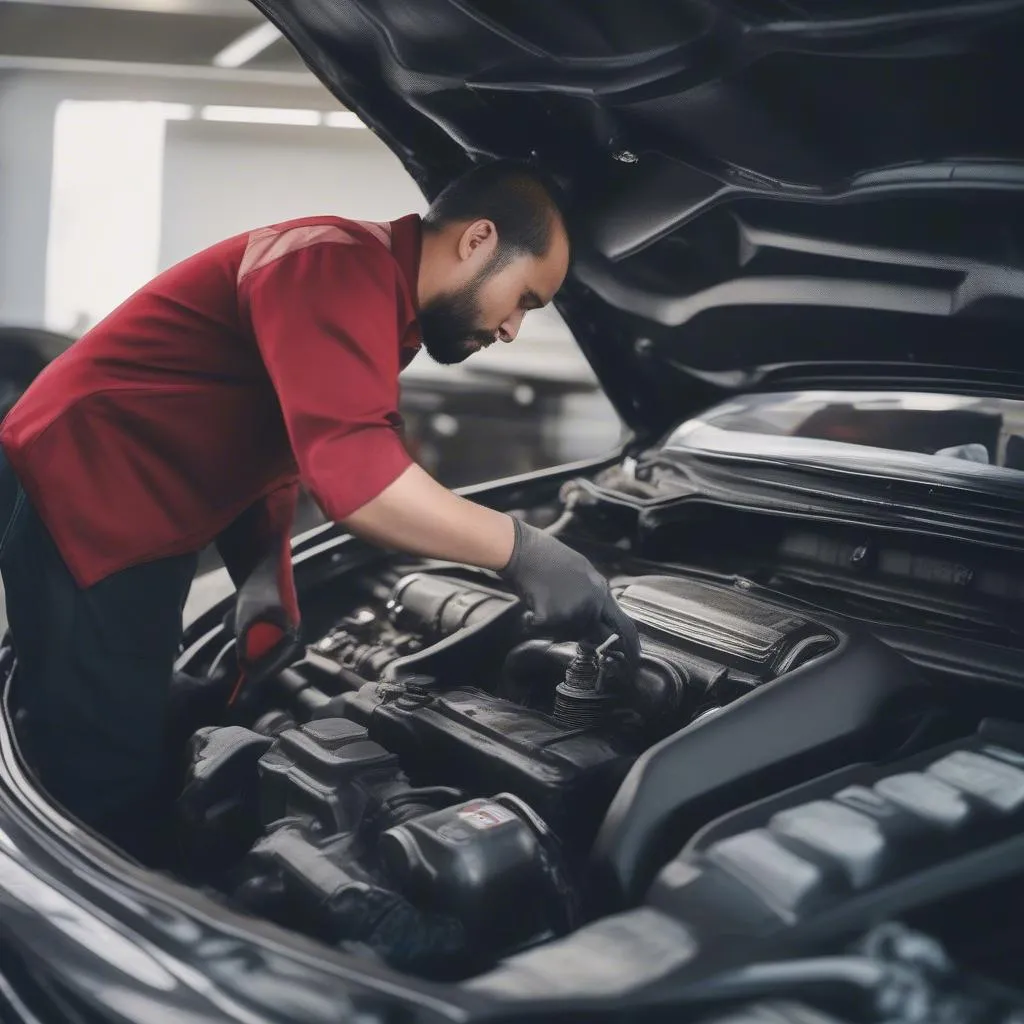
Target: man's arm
[418,515]
[565,592]
[325,320]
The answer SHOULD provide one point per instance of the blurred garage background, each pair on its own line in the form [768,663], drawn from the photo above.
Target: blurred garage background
[135,132]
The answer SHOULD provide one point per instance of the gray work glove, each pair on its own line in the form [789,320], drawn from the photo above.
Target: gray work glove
[565,593]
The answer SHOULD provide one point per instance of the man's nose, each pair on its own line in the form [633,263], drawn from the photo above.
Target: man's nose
[510,328]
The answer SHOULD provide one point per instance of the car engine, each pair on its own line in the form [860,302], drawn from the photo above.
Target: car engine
[824,738]
[434,785]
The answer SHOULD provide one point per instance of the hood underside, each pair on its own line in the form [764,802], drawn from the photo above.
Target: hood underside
[767,193]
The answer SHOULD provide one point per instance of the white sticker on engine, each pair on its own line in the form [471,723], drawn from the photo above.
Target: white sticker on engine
[484,816]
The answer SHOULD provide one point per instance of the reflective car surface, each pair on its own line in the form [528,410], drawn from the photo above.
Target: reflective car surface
[985,430]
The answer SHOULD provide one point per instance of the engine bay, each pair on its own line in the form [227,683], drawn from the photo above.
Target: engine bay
[432,786]
[431,780]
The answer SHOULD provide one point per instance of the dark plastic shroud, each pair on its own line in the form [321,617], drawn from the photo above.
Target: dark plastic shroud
[859,702]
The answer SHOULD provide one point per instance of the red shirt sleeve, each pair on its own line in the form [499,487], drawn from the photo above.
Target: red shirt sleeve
[325,319]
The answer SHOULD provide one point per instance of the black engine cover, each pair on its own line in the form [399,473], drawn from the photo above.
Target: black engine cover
[858,702]
[567,775]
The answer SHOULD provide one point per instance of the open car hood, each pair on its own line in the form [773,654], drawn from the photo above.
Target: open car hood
[769,193]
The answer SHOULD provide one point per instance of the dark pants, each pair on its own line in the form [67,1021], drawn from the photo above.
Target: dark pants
[93,674]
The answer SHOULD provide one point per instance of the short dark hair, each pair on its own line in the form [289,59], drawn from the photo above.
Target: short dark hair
[523,203]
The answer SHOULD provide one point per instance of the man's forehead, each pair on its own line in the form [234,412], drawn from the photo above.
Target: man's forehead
[547,272]
[546,277]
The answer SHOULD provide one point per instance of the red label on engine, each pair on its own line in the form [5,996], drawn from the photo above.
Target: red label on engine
[485,815]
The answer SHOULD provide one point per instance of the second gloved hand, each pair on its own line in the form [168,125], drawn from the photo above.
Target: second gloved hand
[565,593]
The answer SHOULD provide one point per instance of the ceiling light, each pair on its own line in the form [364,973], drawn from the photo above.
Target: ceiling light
[342,119]
[261,115]
[247,46]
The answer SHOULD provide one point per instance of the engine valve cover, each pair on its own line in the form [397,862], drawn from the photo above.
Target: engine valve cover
[723,624]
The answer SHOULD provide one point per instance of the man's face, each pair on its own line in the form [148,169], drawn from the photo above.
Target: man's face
[491,304]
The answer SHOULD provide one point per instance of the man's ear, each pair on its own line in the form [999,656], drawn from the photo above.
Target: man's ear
[480,238]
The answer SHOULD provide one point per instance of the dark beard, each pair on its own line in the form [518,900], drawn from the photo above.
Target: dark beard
[448,325]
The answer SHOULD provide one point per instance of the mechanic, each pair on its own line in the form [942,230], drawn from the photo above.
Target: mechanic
[190,416]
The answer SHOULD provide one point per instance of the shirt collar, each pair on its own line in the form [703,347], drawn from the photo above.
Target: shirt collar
[406,245]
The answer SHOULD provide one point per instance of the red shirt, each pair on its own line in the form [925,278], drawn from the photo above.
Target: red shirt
[202,401]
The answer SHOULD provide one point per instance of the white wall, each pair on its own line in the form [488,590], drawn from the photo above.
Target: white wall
[28,105]
[105,193]
[223,179]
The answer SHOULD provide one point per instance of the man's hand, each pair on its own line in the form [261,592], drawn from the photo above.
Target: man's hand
[566,594]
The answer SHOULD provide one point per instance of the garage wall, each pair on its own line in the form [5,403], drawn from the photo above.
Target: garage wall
[223,179]
[28,105]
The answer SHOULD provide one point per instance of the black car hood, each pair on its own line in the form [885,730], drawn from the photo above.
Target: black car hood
[767,193]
